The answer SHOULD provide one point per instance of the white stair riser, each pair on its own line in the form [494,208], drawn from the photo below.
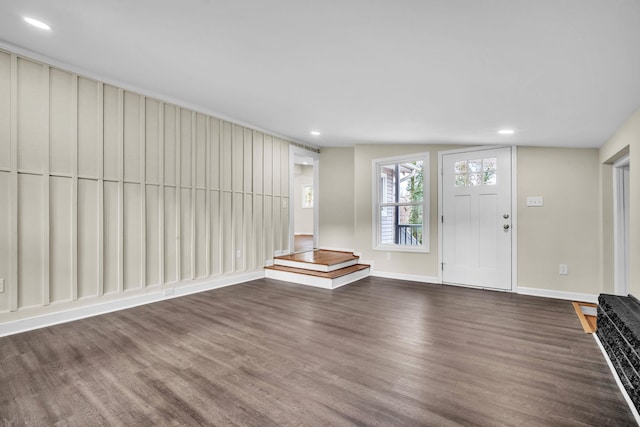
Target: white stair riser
[318,282]
[314,267]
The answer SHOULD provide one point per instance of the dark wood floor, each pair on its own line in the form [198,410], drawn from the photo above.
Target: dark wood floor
[376,352]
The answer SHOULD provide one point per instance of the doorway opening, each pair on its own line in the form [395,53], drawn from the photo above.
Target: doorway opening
[621,225]
[303,190]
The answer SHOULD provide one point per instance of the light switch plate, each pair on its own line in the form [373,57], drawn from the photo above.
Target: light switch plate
[535,201]
[1,285]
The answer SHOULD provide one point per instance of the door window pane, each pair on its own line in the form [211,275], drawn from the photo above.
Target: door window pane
[475,165]
[461,166]
[476,172]
[474,179]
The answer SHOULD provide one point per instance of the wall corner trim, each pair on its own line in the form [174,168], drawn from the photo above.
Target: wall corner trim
[50,319]
[550,293]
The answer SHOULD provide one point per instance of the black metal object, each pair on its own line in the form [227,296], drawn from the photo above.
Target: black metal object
[407,234]
[619,333]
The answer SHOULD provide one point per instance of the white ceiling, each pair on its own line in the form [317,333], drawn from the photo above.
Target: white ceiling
[562,73]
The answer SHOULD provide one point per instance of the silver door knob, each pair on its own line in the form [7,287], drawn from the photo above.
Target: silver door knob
[506,226]
[505,216]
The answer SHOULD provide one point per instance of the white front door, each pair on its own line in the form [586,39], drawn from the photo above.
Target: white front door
[476,218]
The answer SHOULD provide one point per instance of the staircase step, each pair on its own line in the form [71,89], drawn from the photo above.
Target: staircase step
[318,260]
[322,279]
[326,274]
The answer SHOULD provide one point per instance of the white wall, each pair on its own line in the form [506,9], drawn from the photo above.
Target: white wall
[107,194]
[336,198]
[303,217]
[406,263]
[626,140]
[564,231]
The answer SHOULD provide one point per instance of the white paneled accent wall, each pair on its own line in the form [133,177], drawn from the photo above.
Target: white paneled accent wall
[106,194]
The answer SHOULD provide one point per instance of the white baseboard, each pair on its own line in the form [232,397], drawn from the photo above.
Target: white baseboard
[634,411]
[402,276]
[550,293]
[50,319]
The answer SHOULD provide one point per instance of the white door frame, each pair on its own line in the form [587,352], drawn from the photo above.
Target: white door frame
[297,152]
[514,208]
[620,229]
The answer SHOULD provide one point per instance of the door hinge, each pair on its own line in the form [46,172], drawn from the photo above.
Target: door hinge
[442,266]
[442,219]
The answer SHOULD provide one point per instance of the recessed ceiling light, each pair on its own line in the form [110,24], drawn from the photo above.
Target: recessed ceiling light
[506,131]
[315,133]
[305,163]
[37,23]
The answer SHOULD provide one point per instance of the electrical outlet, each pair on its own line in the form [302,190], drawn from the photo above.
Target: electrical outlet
[535,201]
[564,269]
[238,253]
[1,286]
[168,291]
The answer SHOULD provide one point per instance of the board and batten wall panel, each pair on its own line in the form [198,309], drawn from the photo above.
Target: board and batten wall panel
[227,233]
[200,151]
[5,238]
[152,141]
[105,193]
[90,129]
[112,238]
[61,121]
[32,108]
[88,234]
[5,111]
[238,231]
[258,230]
[132,247]
[132,141]
[215,242]
[170,261]
[112,135]
[185,234]
[60,240]
[214,153]
[153,232]
[200,236]
[31,241]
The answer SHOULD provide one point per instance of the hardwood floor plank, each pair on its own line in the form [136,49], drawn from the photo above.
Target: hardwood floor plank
[270,353]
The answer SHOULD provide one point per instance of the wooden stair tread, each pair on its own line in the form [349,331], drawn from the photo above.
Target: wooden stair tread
[328,275]
[320,256]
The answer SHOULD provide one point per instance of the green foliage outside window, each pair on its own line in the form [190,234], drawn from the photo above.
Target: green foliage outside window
[416,194]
